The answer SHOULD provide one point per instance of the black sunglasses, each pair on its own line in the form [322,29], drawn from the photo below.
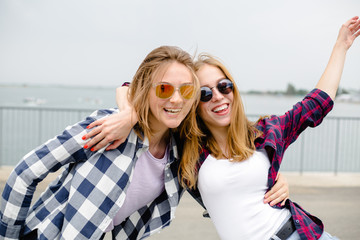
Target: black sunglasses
[224,86]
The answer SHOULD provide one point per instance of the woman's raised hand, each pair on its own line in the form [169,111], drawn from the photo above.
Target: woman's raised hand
[349,31]
[330,79]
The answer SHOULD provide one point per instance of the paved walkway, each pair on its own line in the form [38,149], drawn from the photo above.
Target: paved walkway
[334,199]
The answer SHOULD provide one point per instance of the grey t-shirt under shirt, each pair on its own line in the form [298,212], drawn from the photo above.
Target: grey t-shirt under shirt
[147,184]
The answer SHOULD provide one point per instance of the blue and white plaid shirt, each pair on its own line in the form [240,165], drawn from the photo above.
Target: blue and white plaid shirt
[83,200]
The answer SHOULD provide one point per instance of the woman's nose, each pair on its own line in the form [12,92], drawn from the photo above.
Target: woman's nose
[176,97]
[216,95]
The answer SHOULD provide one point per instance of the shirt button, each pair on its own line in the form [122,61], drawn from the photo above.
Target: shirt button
[170,195]
[168,174]
[297,221]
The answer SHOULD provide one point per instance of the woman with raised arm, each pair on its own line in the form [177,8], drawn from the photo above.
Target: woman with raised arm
[240,159]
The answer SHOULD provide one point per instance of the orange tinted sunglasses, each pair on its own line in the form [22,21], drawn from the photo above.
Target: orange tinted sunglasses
[166,90]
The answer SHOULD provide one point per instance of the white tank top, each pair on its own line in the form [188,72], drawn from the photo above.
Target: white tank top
[233,194]
[147,184]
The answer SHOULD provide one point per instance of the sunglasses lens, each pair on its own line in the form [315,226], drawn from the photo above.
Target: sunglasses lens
[206,94]
[187,91]
[225,86]
[164,90]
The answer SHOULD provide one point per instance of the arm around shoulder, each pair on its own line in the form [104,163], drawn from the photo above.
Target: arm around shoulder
[113,130]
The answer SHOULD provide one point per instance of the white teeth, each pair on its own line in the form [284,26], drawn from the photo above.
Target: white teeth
[172,110]
[222,107]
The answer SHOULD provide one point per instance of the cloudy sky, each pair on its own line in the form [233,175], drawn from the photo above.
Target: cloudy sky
[266,44]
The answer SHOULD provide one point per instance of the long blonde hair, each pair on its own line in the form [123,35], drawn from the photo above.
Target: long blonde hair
[154,63]
[241,132]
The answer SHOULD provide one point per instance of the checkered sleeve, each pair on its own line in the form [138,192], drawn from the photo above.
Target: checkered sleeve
[34,167]
[308,113]
[280,131]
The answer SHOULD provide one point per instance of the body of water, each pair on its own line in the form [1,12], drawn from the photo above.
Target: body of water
[97,98]
[58,97]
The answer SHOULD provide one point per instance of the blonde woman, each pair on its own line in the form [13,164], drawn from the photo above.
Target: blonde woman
[239,159]
[131,191]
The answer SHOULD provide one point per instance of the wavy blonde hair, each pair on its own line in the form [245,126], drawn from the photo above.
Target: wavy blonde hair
[155,63]
[241,132]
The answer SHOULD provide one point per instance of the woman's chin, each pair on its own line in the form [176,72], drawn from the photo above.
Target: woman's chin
[173,124]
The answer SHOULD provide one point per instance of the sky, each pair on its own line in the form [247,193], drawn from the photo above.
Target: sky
[265,44]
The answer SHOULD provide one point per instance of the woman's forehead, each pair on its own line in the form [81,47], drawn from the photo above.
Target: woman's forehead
[173,72]
[208,74]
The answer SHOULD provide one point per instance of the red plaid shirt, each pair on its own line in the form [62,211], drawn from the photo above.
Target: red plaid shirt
[278,133]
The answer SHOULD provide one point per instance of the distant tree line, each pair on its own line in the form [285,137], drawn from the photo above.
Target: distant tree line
[292,91]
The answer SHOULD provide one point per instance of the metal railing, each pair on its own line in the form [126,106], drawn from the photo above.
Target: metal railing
[331,147]
[24,128]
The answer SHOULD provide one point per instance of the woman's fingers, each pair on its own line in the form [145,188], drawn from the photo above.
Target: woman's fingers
[356,34]
[273,194]
[356,28]
[95,144]
[273,190]
[351,21]
[92,133]
[99,145]
[103,139]
[353,25]
[275,198]
[115,144]
[112,130]
[279,192]
[95,140]
[282,198]
[96,123]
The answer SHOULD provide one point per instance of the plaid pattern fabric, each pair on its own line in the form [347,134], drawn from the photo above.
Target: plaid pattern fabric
[278,133]
[83,200]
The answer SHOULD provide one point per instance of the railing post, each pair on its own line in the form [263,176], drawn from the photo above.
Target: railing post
[1,136]
[337,136]
[40,126]
[302,155]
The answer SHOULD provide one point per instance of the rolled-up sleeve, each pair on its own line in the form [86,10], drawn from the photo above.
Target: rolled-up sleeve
[307,113]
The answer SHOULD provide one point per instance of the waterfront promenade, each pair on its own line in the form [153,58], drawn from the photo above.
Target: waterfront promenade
[334,199]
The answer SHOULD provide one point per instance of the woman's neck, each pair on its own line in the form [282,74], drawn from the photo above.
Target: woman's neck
[158,142]
[220,135]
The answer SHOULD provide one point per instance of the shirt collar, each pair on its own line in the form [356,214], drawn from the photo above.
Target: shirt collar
[143,145]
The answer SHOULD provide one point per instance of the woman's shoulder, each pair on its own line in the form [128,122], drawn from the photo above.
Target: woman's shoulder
[103,112]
